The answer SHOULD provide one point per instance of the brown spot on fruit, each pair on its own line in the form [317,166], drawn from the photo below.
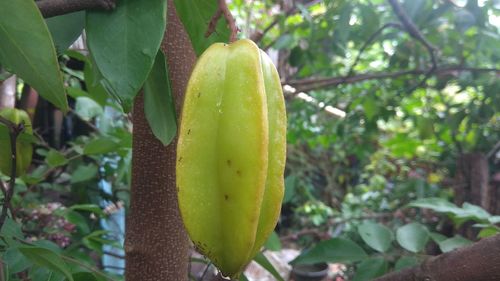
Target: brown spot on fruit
[228,162]
[238,172]
[180,159]
[199,94]
[226,197]
[189,131]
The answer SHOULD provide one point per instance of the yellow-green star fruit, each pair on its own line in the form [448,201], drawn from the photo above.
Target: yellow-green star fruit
[231,154]
[24,148]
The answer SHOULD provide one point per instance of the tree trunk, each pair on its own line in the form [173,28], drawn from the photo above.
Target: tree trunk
[478,262]
[156,243]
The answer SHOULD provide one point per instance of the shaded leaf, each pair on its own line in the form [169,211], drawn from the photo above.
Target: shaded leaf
[405,262]
[47,258]
[370,269]
[55,158]
[124,43]
[65,29]
[158,102]
[261,259]
[333,250]
[273,243]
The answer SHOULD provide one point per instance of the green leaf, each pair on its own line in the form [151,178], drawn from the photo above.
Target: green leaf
[65,29]
[87,108]
[333,250]
[11,229]
[44,274]
[28,51]
[55,158]
[413,237]
[261,259]
[370,107]
[84,173]
[158,102]
[78,220]
[100,145]
[124,44]
[437,237]
[377,236]
[370,269]
[273,243]
[439,205]
[15,260]
[195,16]
[84,276]
[405,262]
[453,243]
[93,208]
[46,258]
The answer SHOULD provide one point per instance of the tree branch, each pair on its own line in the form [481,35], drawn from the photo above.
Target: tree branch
[231,23]
[369,42]
[479,261]
[308,84]
[415,33]
[52,8]
[14,131]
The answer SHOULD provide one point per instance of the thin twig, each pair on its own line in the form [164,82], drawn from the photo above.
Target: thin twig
[309,84]
[231,23]
[369,42]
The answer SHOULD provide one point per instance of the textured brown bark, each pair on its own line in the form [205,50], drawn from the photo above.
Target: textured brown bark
[473,181]
[472,178]
[478,262]
[156,243]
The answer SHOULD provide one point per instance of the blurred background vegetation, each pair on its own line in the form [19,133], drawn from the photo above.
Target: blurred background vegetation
[393,138]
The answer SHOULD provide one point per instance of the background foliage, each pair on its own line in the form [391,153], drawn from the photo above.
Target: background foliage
[378,119]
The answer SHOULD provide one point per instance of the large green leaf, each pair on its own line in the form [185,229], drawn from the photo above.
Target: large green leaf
[26,49]
[46,258]
[195,16]
[376,236]
[65,29]
[370,269]
[453,243]
[333,250]
[124,44]
[158,102]
[413,237]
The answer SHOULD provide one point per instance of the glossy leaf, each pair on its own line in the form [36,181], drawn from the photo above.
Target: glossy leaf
[377,236]
[124,43]
[158,102]
[27,49]
[195,15]
[333,250]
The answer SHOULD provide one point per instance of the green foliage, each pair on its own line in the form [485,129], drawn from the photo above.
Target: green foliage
[27,49]
[158,102]
[195,16]
[125,67]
